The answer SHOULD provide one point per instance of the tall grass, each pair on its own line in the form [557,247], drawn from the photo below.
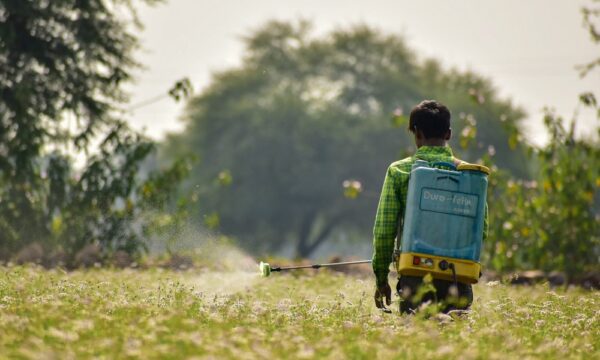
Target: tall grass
[103,313]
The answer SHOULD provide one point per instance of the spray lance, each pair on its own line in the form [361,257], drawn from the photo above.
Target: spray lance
[266,269]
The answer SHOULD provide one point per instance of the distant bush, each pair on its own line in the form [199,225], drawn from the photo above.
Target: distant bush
[552,221]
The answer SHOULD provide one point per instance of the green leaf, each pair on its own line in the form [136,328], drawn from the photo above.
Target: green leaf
[588,99]
[212,221]
[225,178]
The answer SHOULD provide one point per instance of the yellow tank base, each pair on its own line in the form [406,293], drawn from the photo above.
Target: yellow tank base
[414,264]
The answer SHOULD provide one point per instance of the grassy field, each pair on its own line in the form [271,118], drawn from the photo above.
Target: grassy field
[104,313]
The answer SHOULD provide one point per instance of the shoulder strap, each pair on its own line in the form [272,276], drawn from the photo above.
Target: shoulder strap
[456,161]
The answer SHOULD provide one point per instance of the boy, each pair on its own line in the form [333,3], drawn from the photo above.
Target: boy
[430,124]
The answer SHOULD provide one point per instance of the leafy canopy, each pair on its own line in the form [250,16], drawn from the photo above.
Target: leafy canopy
[62,67]
[304,115]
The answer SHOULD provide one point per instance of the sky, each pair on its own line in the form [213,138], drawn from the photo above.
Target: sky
[528,48]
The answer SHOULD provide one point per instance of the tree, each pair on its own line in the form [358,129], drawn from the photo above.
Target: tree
[551,222]
[591,19]
[302,115]
[62,67]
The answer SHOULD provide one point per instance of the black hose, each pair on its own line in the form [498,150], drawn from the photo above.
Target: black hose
[451,266]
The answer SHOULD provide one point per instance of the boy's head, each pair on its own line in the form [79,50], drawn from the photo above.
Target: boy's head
[430,123]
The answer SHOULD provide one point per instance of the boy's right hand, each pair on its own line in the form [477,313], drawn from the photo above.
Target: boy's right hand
[381,292]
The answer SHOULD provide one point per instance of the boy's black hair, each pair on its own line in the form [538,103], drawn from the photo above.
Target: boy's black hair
[431,117]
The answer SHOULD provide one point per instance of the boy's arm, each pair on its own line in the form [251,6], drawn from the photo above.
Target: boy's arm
[386,226]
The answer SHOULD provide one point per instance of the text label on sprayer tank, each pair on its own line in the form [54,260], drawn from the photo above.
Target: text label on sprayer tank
[449,202]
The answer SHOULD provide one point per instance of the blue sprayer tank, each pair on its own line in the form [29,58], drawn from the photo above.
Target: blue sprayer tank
[443,221]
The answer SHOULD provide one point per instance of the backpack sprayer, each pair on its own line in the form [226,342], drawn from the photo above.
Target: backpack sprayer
[455,201]
[266,269]
[442,227]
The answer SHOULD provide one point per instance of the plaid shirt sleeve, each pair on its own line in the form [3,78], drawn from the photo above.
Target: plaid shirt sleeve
[391,207]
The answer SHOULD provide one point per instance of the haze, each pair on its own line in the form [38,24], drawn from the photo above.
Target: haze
[528,48]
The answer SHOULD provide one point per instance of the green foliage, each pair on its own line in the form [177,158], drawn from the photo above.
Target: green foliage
[302,116]
[98,206]
[157,314]
[182,89]
[62,67]
[551,222]
[352,188]
[591,23]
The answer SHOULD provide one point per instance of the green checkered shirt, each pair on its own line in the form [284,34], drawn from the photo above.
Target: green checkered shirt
[392,204]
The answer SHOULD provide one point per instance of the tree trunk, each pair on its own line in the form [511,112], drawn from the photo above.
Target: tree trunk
[306,247]
[304,234]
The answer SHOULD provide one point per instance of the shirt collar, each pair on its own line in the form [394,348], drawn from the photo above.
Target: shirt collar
[426,151]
